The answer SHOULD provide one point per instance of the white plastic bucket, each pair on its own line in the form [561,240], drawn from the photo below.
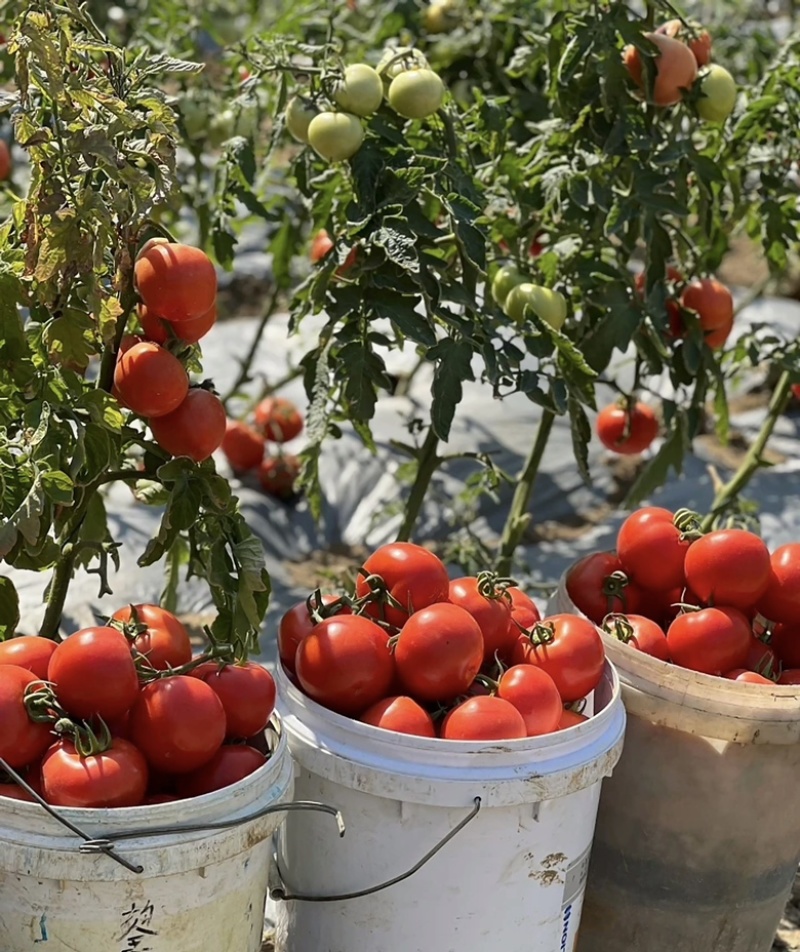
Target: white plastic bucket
[198,891]
[698,831]
[511,879]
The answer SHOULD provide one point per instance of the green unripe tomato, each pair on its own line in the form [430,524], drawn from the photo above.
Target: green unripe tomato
[335,136]
[416,93]
[718,94]
[506,279]
[550,306]
[441,16]
[397,60]
[361,90]
[299,113]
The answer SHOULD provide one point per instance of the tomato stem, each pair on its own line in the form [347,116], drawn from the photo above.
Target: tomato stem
[519,517]
[754,459]
[428,461]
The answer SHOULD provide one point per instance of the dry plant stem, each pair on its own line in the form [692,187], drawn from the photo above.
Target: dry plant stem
[244,370]
[428,461]
[753,461]
[518,515]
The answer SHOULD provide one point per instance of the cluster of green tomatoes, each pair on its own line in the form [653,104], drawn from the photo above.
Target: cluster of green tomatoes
[403,77]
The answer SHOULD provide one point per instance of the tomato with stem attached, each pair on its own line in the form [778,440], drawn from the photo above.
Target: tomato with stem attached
[360,91]
[483,719]
[299,113]
[524,613]
[675,68]
[416,93]
[729,567]
[652,549]
[278,419]
[504,282]
[178,723]
[405,578]
[247,692]
[718,94]
[711,640]
[94,674]
[781,601]
[335,136]
[28,651]
[157,634]
[300,620]
[696,38]
[597,585]
[158,330]
[401,714]
[345,664]
[490,607]
[534,694]
[22,741]
[195,429]
[438,652]
[713,304]
[116,777]
[569,649]
[640,633]
[627,429]
[150,380]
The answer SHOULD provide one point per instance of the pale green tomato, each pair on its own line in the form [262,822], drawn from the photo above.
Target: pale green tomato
[416,93]
[506,279]
[299,113]
[718,94]
[441,16]
[221,128]
[335,136]
[550,306]
[361,90]
[398,59]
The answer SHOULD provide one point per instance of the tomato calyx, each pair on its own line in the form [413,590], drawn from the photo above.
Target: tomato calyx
[493,586]
[378,594]
[689,523]
[618,626]
[614,586]
[319,609]
[87,741]
[542,633]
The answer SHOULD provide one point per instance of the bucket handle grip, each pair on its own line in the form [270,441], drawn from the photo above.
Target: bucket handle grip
[281,893]
[106,843]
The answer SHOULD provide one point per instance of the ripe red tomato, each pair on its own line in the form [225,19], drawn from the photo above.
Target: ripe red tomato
[729,567]
[115,778]
[94,674]
[21,740]
[278,419]
[592,577]
[781,601]
[673,309]
[483,718]
[321,245]
[178,723]
[492,613]
[438,652]
[229,765]
[534,694]
[195,429]
[413,576]
[14,792]
[345,664]
[164,641]
[790,676]
[150,380]
[298,622]
[28,651]
[627,431]
[652,549]
[242,446]
[401,714]
[640,633]
[570,718]
[712,640]
[158,330]
[523,607]
[746,676]
[6,163]
[247,692]
[278,475]
[713,303]
[786,643]
[796,391]
[569,649]
[177,281]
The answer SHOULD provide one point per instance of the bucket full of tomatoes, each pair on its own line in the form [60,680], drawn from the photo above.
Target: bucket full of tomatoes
[139,790]
[464,739]
[697,843]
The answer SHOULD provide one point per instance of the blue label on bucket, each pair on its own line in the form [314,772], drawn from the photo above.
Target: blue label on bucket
[574,885]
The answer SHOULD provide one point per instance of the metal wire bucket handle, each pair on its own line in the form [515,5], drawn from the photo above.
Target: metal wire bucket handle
[105,844]
[279,891]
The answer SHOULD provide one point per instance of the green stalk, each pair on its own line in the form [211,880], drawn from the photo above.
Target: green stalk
[246,365]
[518,515]
[428,461]
[754,458]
